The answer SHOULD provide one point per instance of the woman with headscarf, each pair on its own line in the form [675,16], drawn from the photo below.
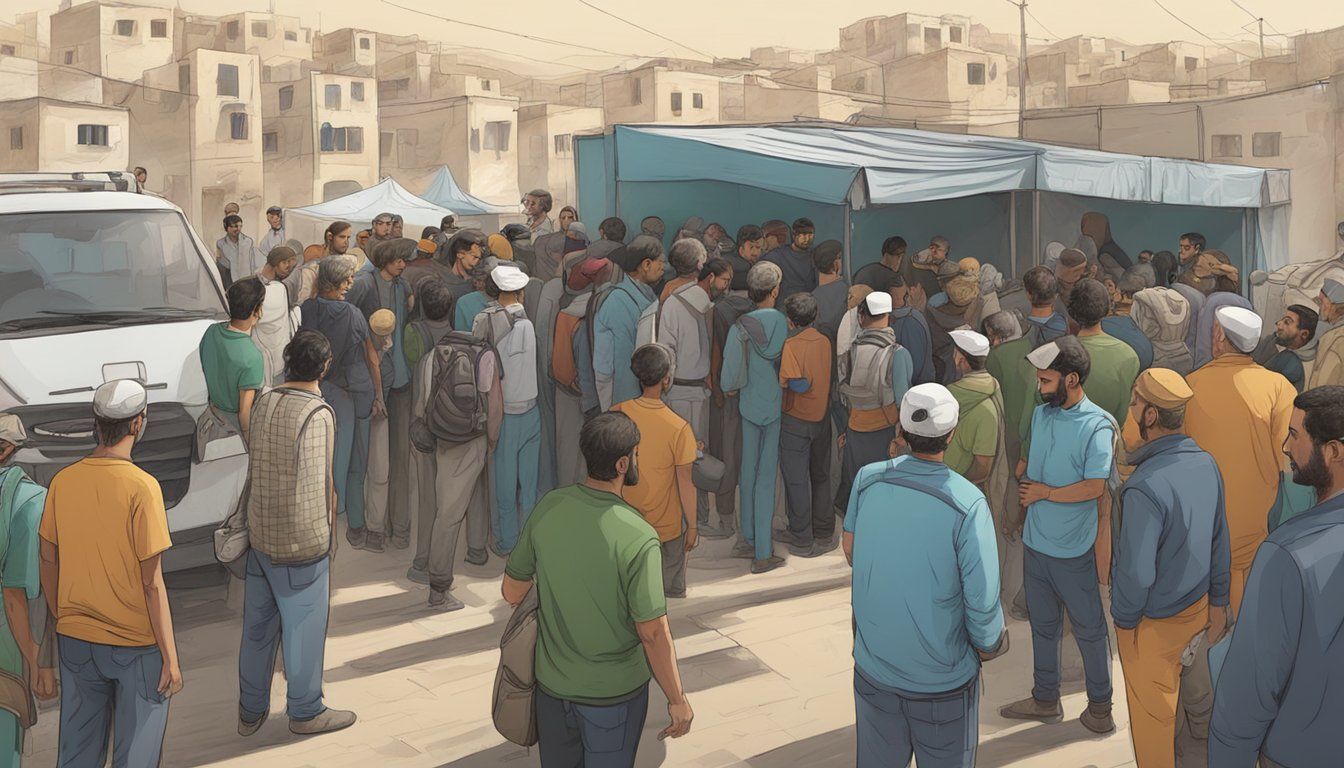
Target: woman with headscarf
[1113,259]
[1164,317]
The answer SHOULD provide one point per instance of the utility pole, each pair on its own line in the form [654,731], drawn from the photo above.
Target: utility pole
[1262,38]
[1022,74]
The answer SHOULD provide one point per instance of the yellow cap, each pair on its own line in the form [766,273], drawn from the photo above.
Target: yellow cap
[1163,388]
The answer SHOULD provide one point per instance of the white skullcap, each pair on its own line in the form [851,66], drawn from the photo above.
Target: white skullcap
[509,278]
[1241,326]
[879,303]
[11,429]
[120,399]
[929,410]
[1043,356]
[970,343]
[1333,290]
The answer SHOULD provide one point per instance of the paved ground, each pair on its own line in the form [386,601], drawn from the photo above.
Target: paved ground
[766,661]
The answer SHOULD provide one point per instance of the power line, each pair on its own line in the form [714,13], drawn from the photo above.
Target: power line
[511,33]
[646,29]
[1190,26]
[1042,26]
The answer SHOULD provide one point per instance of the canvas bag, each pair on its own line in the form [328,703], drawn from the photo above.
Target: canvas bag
[866,384]
[513,705]
[456,411]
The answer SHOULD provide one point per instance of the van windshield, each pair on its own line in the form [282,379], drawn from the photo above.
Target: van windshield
[68,269]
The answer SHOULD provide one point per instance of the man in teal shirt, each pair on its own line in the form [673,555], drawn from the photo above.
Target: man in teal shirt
[233,366]
[1068,465]
[751,357]
[925,596]
[624,312]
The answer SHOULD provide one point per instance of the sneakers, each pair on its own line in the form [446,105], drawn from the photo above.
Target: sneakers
[829,544]
[330,720]
[816,550]
[1097,717]
[444,601]
[477,557]
[417,576]
[708,530]
[356,537]
[1031,709]
[744,551]
[247,728]
[767,565]
[400,542]
[373,542]
[793,539]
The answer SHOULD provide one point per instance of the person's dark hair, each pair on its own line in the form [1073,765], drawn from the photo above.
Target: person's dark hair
[232,219]
[716,266]
[462,242]
[1072,258]
[435,299]
[606,439]
[139,169]
[334,229]
[245,297]
[976,362]
[927,446]
[1005,325]
[651,364]
[572,210]
[1196,240]
[1306,319]
[892,245]
[279,255]
[391,250]
[1072,358]
[802,226]
[491,288]
[112,431]
[446,222]
[306,355]
[1041,286]
[1324,408]
[747,233]
[1164,267]
[544,198]
[827,255]
[613,229]
[1089,303]
[801,309]
[428,233]
[652,225]
[1170,418]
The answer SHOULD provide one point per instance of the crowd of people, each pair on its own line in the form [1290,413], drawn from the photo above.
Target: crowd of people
[1103,433]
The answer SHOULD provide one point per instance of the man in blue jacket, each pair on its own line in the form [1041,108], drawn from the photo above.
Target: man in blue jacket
[1280,696]
[1172,572]
[925,596]
[751,368]
[622,317]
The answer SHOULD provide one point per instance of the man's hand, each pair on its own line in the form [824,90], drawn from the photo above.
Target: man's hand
[379,409]
[840,441]
[917,298]
[1029,493]
[692,539]
[1217,623]
[44,683]
[682,716]
[170,680]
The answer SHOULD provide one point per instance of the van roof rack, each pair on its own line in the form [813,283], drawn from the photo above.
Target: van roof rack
[78,181]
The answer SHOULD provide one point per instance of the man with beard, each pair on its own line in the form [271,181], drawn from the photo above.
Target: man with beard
[1172,563]
[1329,367]
[1240,415]
[1280,695]
[750,245]
[1285,351]
[795,260]
[1067,544]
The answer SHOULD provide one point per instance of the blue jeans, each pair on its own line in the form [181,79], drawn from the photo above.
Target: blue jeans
[516,458]
[571,735]
[352,448]
[285,604]
[1052,583]
[98,681]
[760,464]
[940,729]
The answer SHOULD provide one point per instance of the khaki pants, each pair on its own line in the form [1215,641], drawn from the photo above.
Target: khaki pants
[447,479]
[1150,655]
[375,487]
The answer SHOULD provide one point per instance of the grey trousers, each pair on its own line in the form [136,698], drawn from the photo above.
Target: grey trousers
[452,471]
[692,404]
[569,467]
[1194,708]
[674,566]
[805,463]
[478,510]
[725,441]
[399,403]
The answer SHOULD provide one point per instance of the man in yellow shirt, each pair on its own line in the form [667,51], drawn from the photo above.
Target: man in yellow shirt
[1240,415]
[103,531]
[664,494]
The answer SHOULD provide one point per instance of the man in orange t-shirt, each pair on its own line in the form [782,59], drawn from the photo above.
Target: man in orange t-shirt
[664,494]
[805,433]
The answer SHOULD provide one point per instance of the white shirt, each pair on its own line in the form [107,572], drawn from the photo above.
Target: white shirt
[274,331]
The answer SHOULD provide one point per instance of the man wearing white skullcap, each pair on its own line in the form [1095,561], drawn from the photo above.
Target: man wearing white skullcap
[1329,367]
[925,595]
[1067,538]
[103,533]
[517,455]
[1240,414]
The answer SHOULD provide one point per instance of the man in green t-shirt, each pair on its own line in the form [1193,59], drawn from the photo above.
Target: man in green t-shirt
[1115,364]
[601,615]
[233,366]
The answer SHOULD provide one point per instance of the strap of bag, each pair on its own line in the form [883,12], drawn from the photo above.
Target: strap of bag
[887,477]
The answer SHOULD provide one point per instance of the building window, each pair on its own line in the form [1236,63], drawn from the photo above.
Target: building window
[975,74]
[1265,144]
[270,142]
[954,34]
[356,91]
[1191,63]
[307,35]
[333,96]
[497,135]
[386,142]
[70,57]
[341,139]
[698,100]
[676,102]
[231,30]
[238,126]
[364,44]
[286,98]
[933,39]
[226,80]
[266,72]
[564,144]
[291,37]
[125,28]
[16,137]
[184,78]
[92,135]
[7,50]
[391,89]
[485,86]
[636,92]
[1227,145]
[861,84]
[158,28]
[260,29]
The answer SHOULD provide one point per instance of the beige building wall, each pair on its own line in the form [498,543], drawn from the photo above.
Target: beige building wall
[348,52]
[313,152]
[546,135]
[662,95]
[952,87]
[42,134]
[115,41]
[893,38]
[475,136]
[1120,92]
[271,37]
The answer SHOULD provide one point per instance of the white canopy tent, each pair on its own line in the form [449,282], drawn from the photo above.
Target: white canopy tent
[360,208]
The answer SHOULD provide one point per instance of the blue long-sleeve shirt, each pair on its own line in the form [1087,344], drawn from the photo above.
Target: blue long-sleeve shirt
[1281,689]
[761,401]
[912,332]
[1173,547]
[614,331]
[926,576]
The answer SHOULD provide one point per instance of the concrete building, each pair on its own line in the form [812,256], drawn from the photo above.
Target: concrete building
[16,41]
[891,38]
[28,79]
[546,146]
[347,51]
[806,93]
[197,129]
[953,87]
[661,94]
[116,41]
[475,135]
[36,26]
[319,138]
[272,38]
[779,57]
[43,134]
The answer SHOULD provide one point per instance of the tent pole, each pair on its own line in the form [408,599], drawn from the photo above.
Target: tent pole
[849,260]
[1035,226]
[1012,232]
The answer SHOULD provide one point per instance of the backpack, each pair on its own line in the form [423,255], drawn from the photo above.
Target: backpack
[456,411]
[513,704]
[564,352]
[866,382]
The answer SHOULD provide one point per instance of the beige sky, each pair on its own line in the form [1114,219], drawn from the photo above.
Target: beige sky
[731,28]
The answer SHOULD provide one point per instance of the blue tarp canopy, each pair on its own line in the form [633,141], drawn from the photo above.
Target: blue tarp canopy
[444,191]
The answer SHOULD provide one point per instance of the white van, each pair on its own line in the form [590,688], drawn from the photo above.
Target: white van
[98,283]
